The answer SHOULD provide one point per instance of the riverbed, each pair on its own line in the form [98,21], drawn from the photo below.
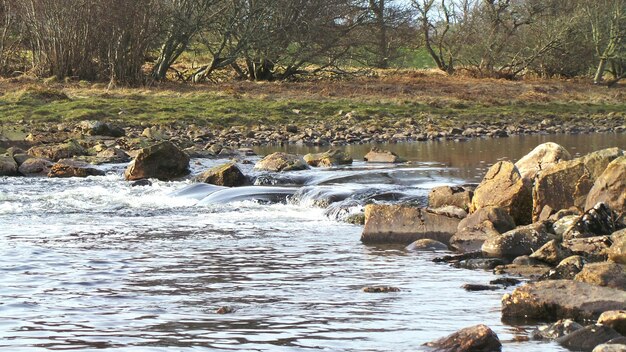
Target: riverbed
[95,264]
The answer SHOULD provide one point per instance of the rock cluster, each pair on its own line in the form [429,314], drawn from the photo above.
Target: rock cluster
[555,220]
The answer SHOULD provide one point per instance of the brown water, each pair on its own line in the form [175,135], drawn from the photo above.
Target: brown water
[94,264]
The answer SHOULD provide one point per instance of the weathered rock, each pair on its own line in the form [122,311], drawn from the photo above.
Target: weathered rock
[523,240]
[555,330]
[593,249]
[567,183]
[279,161]
[552,253]
[35,166]
[479,338]
[381,156]
[603,274]
[470,239]
[58,151]
[228,175]
[561,299]
[72,168]
[99,128]
[568,268]
[501,220]
[426,244]
[597,221]
[330,158]
[504,187]
[542,157]
[447,195]
[113,155]
[380,289]
[8,166]
[450,210]
[617,251]
[615,319]
[405,224]
[163,161]
[562,225]
[479,287]
[587,338]
[610,347]
[527,271]
[610,187]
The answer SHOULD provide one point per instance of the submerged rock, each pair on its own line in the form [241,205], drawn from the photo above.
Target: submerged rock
[561,299]
[381,156]
[504,187]
[380,289]
[426,244]
[478,338]
[405,224]
[163,161]
[330,158]
[279,161]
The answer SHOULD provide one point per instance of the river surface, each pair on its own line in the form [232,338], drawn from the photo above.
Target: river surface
[94,264]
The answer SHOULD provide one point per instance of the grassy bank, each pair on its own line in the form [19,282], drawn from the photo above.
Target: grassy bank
[396,96]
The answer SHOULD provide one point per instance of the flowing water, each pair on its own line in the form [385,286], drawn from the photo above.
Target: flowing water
[95,264]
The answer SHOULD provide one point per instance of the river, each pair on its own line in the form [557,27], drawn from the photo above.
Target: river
[94,264]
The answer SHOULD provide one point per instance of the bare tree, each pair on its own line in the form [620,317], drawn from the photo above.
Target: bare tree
[10,38]
[185,19]
[607,19]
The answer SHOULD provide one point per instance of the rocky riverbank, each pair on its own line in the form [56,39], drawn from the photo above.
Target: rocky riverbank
[558,221]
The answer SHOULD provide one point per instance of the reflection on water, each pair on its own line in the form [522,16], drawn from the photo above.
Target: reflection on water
[93,263]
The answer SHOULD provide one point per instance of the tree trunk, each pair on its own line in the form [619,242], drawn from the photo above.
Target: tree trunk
[598,78]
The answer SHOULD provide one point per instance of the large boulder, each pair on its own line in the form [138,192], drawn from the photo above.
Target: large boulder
[72,168]
[57,152]
[504,187]
[610,187]
[615,319]
[561,299]
[330,158]
[542,157]
[603,274]
[587,338]
[228,175]
[8,166]
[35,166]
[163,161]
[523,240]
[567,183]
[406,224]
[280,161]
[478,338]
[450,195]
[381,156]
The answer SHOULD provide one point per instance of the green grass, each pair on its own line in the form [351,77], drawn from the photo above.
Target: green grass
[222,110]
